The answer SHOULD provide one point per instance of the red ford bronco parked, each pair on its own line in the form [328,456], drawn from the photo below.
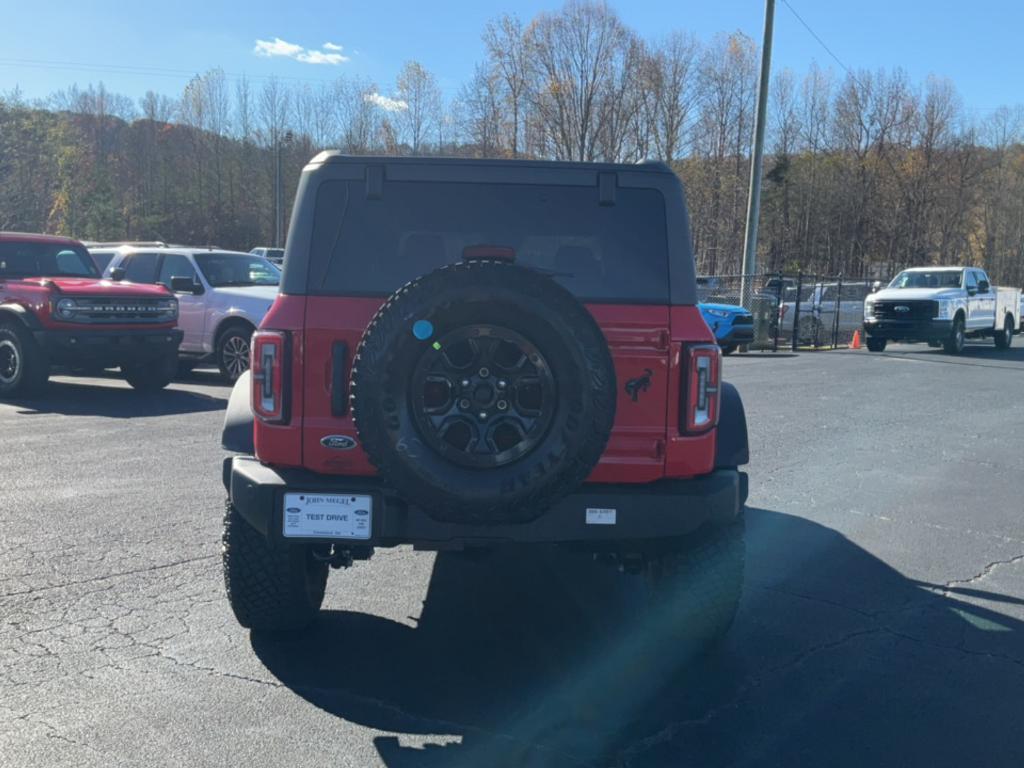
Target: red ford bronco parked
[470,353]
[55,310]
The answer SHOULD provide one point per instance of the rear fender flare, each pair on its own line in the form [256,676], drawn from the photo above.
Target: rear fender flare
[732,446]
[239,419]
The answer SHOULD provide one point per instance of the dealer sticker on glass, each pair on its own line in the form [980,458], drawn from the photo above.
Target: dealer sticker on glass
[327,516]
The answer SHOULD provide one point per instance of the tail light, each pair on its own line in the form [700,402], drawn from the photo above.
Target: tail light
[782,312]
[701,390]
[270,376]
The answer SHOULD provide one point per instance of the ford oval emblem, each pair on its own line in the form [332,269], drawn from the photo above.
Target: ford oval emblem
[362,512]
[338,442]
[902,308]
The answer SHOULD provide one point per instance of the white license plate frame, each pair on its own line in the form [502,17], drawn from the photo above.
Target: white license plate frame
[314,515]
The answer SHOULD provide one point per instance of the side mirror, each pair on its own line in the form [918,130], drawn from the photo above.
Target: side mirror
[185,285]
[983,286]
[117,273]
[876,286]
[972,290]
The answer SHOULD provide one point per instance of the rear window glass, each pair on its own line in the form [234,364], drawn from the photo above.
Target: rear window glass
[45,260]
[600,253]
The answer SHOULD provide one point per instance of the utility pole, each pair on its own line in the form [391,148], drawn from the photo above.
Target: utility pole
[760,117]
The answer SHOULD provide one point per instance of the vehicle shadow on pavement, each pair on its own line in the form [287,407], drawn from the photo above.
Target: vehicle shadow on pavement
[835,659]
[119,402]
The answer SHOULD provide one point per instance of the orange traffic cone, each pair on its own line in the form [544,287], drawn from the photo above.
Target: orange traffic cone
[855,344]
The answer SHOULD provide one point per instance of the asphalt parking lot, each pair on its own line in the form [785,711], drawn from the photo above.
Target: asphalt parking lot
[882,623]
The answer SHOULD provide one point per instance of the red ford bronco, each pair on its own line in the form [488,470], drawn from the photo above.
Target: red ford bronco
[55,310]
[470,353]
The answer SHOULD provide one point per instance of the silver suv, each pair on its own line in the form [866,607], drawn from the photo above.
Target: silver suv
[229,295]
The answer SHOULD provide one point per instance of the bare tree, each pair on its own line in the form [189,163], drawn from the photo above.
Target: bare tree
[578,55]
[506,51]
[417,88]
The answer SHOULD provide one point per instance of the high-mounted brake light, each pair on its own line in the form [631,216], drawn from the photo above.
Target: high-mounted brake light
[701,391]
[269,376]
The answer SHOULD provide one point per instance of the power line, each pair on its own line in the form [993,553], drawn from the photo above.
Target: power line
[143,70]
[817,37]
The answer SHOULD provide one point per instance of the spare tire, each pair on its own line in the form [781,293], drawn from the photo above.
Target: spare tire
[483,392]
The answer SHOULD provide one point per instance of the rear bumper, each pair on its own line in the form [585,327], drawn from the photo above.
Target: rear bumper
[908,330]
[107,346]
[646,512]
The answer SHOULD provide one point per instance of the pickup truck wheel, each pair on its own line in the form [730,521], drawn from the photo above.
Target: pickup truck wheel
[233,352]
[273,587]
[876,344]
[485,391]
[954,343]
[935,343]
[691,592]
[1004,338]
[152,376]
[24,368]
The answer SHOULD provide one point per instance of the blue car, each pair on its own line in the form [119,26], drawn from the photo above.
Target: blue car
[731,325]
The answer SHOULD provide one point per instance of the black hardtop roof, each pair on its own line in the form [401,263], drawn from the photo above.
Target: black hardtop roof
[333,156]
[375,172]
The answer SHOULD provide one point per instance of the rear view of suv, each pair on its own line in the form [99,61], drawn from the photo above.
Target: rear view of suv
[223,296]
[468,354]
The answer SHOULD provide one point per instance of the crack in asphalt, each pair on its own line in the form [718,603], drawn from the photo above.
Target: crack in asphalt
[669,732]
[984,571]
[107,576]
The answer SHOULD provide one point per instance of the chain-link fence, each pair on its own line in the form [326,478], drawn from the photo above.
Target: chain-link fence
[793,311]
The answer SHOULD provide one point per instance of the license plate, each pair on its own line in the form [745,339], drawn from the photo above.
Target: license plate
[327,516]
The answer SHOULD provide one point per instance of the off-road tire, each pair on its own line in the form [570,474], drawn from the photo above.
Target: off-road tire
[876,344]
[29,367]
[695,587]
[574,354]
[233,343]
[153,375]
[954,343]
[1004,338]
[271,587]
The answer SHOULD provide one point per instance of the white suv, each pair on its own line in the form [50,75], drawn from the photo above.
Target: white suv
[230,293]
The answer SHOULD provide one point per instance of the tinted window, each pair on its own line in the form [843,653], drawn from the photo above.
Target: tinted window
[175,265]
[45,260]
[141,268]
[101,260]
[239,269]
[972,280]
[604,253]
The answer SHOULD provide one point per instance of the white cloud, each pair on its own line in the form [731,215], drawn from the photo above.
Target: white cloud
[278,47]
[319,57]
[385,103]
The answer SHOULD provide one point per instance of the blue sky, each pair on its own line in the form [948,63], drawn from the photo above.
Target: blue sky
[977,44]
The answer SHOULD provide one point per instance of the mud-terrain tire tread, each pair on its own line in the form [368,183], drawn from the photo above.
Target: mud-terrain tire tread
[373,353]
[266,583]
